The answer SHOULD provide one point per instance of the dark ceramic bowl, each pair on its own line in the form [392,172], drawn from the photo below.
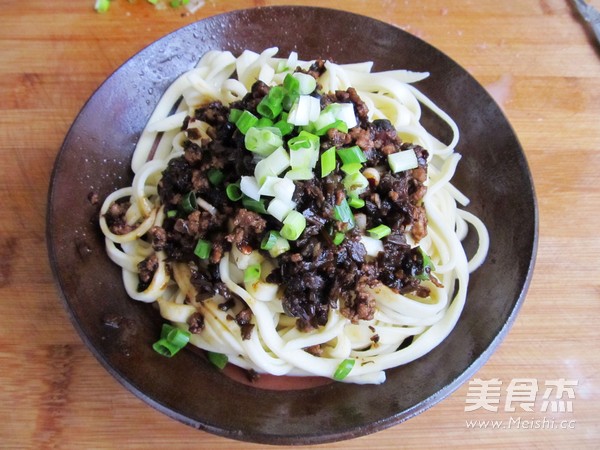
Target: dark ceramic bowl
[119,331]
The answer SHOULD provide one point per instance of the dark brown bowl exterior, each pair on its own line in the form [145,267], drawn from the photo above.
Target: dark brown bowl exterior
[95,157]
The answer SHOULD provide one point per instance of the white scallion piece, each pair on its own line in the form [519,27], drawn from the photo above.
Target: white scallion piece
[404,160]
[249,186]
[280,209]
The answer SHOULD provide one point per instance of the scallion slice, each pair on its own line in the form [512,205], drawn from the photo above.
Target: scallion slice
[355,183]
[233,191]
[254,205]
[293,225]
[338,238]
[172,213]
[269,240]
[252,274]
[281,246]
[271,104]
[218,359]
[306,83]
[356,202]
[234,114]
[344,369]
[171,340]
[246,121]
[203,249]
[263,141]
[102,5]
[352,155]
[379,232]
[215,176]
[188,202]
[404,160]
[428,266]
[284,126]
[343,213]
[351,168]
[291,84]
[327,162]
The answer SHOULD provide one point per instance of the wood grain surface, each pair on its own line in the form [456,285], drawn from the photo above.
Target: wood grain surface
[539,61]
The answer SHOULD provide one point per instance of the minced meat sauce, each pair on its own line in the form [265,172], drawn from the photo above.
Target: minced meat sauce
[315,274]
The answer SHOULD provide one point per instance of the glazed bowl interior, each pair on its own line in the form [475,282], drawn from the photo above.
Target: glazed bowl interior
[95,158]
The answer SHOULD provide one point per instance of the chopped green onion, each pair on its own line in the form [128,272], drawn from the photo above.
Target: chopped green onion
[291,84]
[344,369]
[404,160]
[351,168]
[172,213]
[293,225]
[304,140]
[233,191]
[355,183]
[338,238]
[351,155]
[281,246]
[234,114]
[380,231]
[264,122]
[428,266]
[343,213]
[327,162]
[306,83]
[356,202]
[102,5]
[171,340]
[271,104]
[301,173]
[272,165]
[218,359]
[246,121]
[337,124]
[188,202]
[269,240]
[203,249]
[284,126]
[263,141]
[252,274]
[215,176]
[254,205]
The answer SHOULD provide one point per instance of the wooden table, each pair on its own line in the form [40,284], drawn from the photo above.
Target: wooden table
[538,60]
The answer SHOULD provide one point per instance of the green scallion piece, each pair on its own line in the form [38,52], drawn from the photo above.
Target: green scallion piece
[327,162]
[102,5]
[218,359]
[271,104]
[291,84]
[234,114]
[352,155]
[293,225]
[269,240]
[264,122]
[338,238]
[304,140]
[355,183]
[252,273]
[233,191]
[284,126]
[281,246]
[203,249]
[344,369]
[343,213]
[257,206]
[215,176]
[263,141]
[428,266]
[246,121]
[172,213]
[188,202]
[337,124]
[356,202]
[306,83]
[171,340]
[351,168]
[380,231]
